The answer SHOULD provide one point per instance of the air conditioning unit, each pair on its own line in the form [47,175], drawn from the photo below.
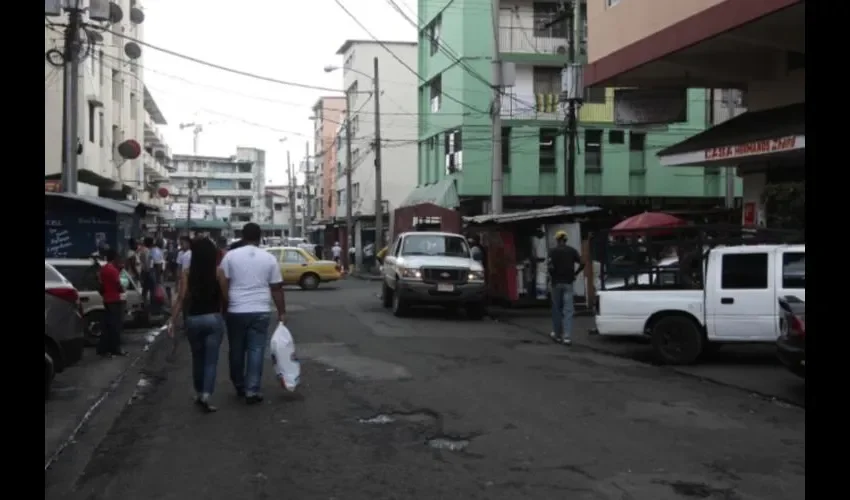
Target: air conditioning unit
[561,50]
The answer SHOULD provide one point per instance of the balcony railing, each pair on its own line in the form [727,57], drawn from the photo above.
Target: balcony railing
[542,106]
[525,41]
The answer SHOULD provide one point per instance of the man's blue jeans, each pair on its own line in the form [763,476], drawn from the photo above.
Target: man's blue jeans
[246,334]
[205,333]
[563,307]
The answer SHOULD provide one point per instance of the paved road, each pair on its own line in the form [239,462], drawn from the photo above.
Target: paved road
[442,407]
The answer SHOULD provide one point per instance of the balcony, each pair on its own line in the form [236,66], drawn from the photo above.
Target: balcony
[153,137]
[154,169]
[521,40]
[542,106]
[598,107]
[211,174]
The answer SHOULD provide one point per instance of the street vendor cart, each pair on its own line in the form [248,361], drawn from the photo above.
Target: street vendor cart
[516,245]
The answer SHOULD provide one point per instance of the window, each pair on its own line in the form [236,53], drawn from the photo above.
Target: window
[506,149]
[355,126]
[637,141]
[611,3]
[794,270]
[592,150]
[454,151]
[116,137]
[355,191]
[84,278]
[92,127]
[117,90]
[298,195]
[422,244]
[244,185]
[616,137]
[436,87]
[547,80]
[746,271]
[594,95]
[545,24]
[434,34]
[100,129]
[548,137]
[298,208]
[276,252]
[100,75]
[133,111]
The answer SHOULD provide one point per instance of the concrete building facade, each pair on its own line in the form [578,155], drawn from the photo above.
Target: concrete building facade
[327,115]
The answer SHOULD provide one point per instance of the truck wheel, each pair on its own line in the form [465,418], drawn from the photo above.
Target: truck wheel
[475,311]
[386,296]
[309,281]
[399,306]
[677,340]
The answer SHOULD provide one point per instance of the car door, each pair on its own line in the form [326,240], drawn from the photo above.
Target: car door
[277,253]
[293,265]
[390,261]
[743,299]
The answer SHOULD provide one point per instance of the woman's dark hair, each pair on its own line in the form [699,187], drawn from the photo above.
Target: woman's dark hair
[148,241]
[202,270]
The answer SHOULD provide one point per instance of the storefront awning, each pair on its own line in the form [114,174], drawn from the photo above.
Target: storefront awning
[443,194]
[754,135]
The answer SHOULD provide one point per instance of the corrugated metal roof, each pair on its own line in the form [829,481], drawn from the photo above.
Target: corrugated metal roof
[104,203]
[543,213]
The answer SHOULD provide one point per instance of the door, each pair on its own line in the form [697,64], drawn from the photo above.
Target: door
[292,266]
[742,300]
[390,261]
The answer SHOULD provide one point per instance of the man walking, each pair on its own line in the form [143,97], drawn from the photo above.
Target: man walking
[253,281]
[564,265]
[112,292]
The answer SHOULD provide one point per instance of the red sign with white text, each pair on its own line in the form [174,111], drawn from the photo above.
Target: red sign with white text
[750,213]
[752,148]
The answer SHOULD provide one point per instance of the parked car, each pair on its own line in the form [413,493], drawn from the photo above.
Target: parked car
[432,268]
[64,336]
[791,345]
[737,303]
[300,267]
[82,273]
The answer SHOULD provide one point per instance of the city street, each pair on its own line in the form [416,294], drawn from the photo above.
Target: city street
[435,406]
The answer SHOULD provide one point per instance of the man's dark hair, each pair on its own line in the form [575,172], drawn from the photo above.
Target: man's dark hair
[185,239]
[236,244]
[148,241]
[110,254]
[251,232]
[222,242]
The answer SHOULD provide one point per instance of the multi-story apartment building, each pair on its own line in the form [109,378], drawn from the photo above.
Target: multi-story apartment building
[237,182]
[755,47]
[327,115]
[277,198]
[115,106]
[398,125]
[455,147]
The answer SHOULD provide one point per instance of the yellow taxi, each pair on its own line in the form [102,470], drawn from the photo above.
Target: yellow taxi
[302,268]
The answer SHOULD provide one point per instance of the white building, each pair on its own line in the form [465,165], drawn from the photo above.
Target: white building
[114,106]
[278,202]
[398,124]
[236,182]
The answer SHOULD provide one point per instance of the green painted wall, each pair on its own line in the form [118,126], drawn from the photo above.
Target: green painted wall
[466,35]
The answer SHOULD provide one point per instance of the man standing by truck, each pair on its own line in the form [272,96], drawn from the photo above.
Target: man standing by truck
[564,265]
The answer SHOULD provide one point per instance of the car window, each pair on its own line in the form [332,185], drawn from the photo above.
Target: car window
[745,271]
[84,278]
[294,257]
[435,244]
[51,275]
[277,252]
[794,270]
[396,247]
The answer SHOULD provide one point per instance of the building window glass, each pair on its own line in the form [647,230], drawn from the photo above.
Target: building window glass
[592,150]
[548,22]
[436,88]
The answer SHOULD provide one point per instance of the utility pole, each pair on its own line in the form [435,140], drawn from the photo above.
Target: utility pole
[497,190]
[379,195]
[306,212]
[291,193]
[729,104]
[349,201]
[572,96]
[71,105]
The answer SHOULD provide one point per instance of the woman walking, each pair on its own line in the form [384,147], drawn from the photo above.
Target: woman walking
[201,298]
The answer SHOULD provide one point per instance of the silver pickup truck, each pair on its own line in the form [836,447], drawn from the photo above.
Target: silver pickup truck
[432,268]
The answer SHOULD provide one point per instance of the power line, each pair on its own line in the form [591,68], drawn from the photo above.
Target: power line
[400,61]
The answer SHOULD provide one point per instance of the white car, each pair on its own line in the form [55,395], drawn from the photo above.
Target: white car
[432,268]
[738,303]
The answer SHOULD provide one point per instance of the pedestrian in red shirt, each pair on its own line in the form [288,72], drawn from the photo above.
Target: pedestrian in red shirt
[113,322]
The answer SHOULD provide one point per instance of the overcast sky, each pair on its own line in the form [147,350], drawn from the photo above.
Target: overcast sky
[284,40]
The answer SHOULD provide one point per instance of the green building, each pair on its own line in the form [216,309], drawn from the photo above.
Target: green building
[614,165]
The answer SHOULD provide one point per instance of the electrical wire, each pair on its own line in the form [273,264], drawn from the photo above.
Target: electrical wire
[398,59]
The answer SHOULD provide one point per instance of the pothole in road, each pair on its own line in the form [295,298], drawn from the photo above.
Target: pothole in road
[437,440]
[448,443]
[421,417]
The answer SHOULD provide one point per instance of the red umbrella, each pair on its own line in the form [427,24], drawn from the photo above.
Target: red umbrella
[648,220]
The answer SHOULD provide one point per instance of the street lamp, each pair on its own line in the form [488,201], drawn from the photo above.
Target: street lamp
[379,210]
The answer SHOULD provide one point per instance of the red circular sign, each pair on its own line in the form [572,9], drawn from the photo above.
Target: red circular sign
[162,192]
[130,149]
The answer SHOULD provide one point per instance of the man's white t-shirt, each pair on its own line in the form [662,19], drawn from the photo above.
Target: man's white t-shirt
[184,258]
[250,271]
[336,250]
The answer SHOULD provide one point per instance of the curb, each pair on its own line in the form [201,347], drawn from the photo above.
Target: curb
[151,339]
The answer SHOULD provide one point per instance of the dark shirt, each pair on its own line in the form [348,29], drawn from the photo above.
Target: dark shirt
[563,261]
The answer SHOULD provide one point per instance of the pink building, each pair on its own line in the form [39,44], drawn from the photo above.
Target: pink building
[328,113]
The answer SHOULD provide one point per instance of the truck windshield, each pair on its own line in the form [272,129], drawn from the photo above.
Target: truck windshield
[431,244]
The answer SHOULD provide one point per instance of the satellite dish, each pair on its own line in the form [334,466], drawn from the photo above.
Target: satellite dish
[115,13]
[132,50]
[137,16]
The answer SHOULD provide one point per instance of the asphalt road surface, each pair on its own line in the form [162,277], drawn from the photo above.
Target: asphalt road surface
[439,406]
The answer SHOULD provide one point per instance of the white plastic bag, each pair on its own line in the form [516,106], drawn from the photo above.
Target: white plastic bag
[286,365]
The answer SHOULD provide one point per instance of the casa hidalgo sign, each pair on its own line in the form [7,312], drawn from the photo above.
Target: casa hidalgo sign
[766,146]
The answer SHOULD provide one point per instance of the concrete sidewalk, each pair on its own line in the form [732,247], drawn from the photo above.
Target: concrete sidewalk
[752,367]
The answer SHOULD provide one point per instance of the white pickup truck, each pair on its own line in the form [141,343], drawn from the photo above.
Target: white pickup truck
[432,268]
[738,303]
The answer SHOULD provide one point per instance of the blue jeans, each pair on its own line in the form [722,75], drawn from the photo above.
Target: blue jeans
[205,333]
[246,334]
[563,307]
